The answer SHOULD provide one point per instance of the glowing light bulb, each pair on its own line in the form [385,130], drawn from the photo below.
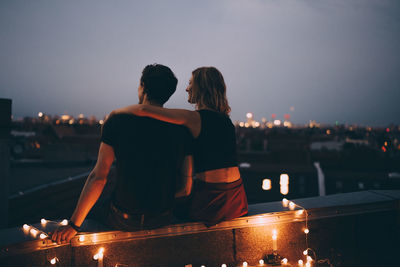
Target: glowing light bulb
[309,258]
[43,236]
[223,265]
[284,261]
[305,252]
[292,205]
[285,202]
[26,227]
[202,266]
[299,212]
[82,238]
[64,222]
[53,260]
[300,262]
[306,231]
[261,262]
[96,257]
[43,221]
[101,250]
[245,264]
[34,232]
[266,184]
[308,264]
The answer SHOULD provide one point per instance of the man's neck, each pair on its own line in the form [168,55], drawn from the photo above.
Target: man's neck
[147,102]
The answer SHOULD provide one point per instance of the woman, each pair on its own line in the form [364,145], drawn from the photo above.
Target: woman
[218,193]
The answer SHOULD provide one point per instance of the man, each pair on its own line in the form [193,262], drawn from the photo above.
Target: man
[153,164]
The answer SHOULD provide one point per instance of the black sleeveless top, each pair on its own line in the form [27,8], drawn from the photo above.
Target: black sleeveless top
[215,147]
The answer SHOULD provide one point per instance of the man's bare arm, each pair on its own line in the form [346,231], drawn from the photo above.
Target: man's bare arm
[186,179]
[90,193]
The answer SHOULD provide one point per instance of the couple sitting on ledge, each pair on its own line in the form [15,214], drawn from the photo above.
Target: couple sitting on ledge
[157,150]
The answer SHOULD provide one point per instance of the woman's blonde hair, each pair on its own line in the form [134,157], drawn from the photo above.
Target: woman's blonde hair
[209,89]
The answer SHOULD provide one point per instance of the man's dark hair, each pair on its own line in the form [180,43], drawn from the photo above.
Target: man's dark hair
[159,82]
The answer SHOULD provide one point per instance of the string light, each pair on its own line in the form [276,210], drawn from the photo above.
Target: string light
[43,236]
[261,262]
[285,202]
[223,265]
[300,262]
[309,259]
[284,261]
[292,205]
[81,238]
[43,221]
[34,232]
[245,264]
[308,264]
[64,222]
[306,231]
[305,252]
[26,227]
[53,260]
[299,212]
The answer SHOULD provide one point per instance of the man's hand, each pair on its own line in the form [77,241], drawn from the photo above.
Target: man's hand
[63,234]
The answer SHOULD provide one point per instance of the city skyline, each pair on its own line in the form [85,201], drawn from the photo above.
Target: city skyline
[326,61]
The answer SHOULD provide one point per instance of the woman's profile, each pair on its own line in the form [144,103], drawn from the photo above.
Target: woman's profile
[218,192]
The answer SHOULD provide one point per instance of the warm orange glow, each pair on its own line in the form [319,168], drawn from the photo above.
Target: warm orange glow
[43,221]
[245,264]
[266,184]
[305,252]
[309,258]
[277,122]
[82,238]
[306,231]
[300,262]
[53,260]
[26,227]
[34,232]
[285,202]
[284,261]
[43,236]
[292,205]
[249,115]
[64,222]
[299,212]
[284,179]
[261,262]
[284,189]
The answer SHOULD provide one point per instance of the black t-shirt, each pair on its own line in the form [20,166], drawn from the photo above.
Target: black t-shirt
[149,159]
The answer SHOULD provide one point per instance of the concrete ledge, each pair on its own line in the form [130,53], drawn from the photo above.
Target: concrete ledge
[338,223]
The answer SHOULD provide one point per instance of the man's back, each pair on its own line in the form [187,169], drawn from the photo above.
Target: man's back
[149,157]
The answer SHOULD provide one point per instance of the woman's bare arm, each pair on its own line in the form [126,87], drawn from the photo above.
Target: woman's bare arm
[188,118]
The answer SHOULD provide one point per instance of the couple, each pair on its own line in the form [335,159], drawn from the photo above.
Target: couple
[155,150]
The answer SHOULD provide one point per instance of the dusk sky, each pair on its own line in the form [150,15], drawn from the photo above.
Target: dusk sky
[332,60]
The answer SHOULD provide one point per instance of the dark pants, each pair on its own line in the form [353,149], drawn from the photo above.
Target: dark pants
[106,213]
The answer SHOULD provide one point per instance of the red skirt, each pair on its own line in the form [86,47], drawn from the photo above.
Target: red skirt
[216,202]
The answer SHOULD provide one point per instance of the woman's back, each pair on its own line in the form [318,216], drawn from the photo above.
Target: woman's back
[215,147]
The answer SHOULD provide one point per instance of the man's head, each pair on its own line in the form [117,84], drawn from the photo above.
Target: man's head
[157,84]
